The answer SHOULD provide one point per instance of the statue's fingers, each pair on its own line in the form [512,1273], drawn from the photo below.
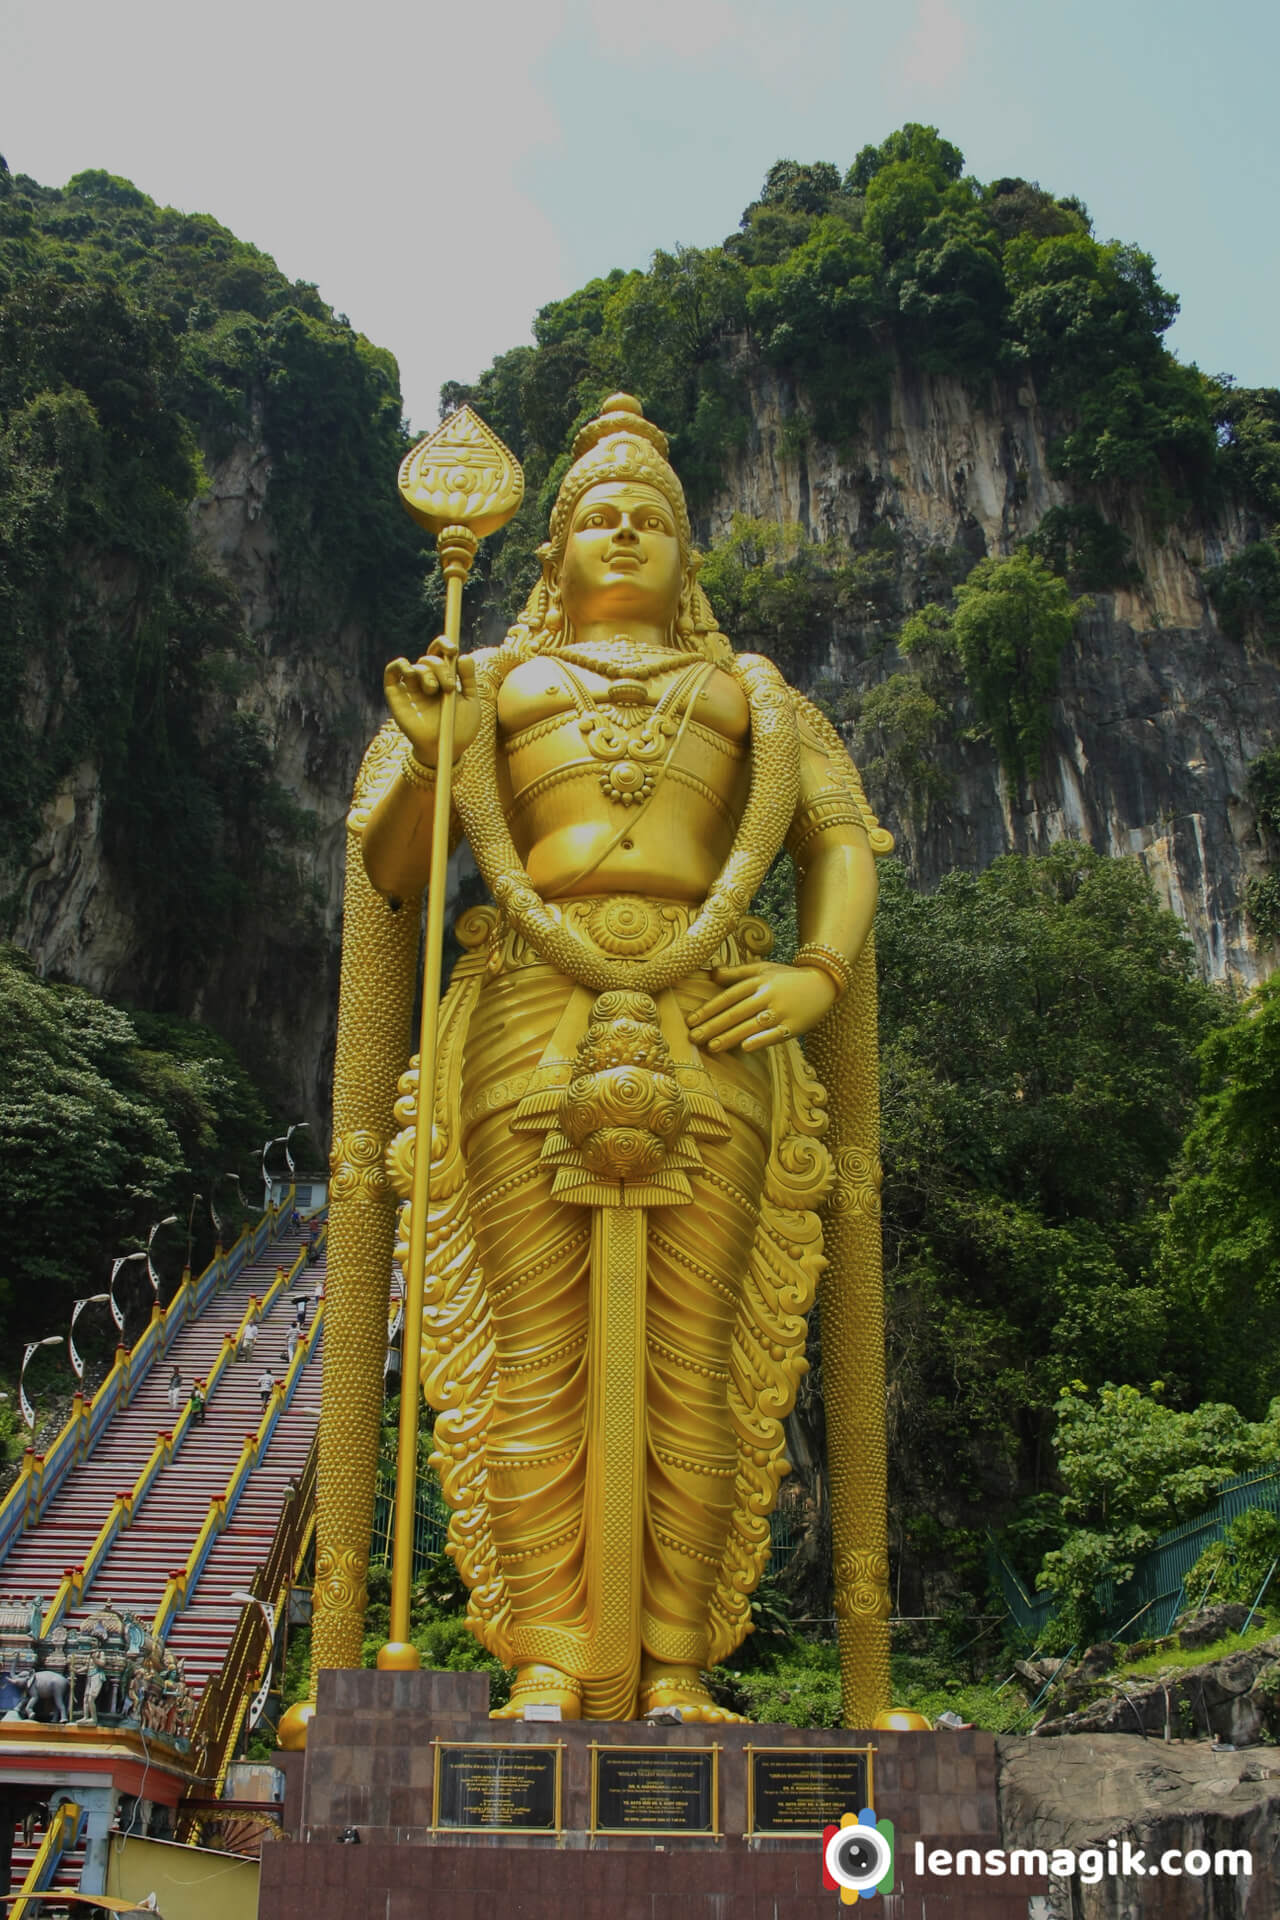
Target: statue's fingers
[749,1014]
[766,1037]
[724,1009]
[737,1034]
[425,679]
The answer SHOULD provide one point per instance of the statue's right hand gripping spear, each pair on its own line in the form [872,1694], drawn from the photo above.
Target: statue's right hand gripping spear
[461,483]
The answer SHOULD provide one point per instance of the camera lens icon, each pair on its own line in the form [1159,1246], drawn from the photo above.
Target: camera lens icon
[858,1856]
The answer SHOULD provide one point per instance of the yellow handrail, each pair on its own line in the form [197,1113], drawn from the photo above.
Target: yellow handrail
[223,1702]
[76,1581]
[27,1489]
[55,1843]
[179,1583]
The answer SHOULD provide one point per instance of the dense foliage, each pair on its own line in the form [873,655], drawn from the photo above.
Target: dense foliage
[1240,1566]
[1262,892]
[108,1122]
[1221,1250]
[1040,1026]
[136,344]
[1132,1467]
[1009,624]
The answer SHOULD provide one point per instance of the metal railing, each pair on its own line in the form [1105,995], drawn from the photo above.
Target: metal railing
[123,1509]
[1149,1601]
[430,1516]
[182,1584]
[41,1475]
[225,1699]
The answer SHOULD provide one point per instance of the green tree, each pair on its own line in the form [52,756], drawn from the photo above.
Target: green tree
[1012,620]
[1246,591]
[106,1123]
[1239,1565]
[1040,1023]
[900,723]
[1131,1468]
[1248,422]
[913,144]
[1221,1236]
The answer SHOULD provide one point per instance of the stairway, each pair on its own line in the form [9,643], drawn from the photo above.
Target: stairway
[201,1634]
[167,1521]
[66,1875]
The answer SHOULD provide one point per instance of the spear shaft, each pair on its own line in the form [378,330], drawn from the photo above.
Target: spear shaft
[457,548]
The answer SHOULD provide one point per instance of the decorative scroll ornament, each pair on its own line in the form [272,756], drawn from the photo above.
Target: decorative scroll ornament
[463,474]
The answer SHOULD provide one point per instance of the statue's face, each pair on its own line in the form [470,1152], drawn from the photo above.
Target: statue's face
[622,557]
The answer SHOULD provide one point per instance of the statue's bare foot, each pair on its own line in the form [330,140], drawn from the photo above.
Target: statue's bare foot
[539,1686]
[663,1689]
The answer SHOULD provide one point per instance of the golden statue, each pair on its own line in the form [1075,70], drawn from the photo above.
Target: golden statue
[633,1164]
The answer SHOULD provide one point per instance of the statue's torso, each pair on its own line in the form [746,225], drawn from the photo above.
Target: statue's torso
[566,774]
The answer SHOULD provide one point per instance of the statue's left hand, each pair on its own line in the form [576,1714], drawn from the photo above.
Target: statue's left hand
[761,1004]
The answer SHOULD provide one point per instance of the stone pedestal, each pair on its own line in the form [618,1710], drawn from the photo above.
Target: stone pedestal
[369,1765]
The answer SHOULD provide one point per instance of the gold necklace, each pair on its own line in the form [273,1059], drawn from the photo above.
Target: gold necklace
[630,748]
[771,802]
[620,658]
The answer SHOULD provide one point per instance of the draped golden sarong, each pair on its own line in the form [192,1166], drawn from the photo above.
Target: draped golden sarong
[728,1275]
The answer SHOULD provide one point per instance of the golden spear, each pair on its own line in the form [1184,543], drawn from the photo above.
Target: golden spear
[461,483]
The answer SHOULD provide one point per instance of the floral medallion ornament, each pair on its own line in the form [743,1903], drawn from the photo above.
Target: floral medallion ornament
[625,925]
[631,753]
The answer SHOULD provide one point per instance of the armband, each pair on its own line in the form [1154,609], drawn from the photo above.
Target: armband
[834,808]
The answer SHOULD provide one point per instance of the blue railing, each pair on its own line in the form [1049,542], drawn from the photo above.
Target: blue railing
[43,1474]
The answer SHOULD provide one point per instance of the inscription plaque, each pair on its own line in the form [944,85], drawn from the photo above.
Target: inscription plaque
[503,1789]
[655,1790]
[801,1790]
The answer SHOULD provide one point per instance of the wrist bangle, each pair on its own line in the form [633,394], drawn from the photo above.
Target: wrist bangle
[829,960]
[412,770]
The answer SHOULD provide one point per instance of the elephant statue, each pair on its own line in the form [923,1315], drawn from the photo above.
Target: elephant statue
[48,1696]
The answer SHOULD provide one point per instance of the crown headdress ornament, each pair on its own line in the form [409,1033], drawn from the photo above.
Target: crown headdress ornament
[620,444]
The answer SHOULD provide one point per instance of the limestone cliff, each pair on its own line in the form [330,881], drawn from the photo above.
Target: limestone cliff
[1158,711]
[271,989]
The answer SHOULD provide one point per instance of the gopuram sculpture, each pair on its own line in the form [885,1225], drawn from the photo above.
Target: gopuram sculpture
[637,1176]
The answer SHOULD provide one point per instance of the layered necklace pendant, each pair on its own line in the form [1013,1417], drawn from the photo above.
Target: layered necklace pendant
[630,738]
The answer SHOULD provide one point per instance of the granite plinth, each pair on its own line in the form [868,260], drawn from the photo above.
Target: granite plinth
[369,1765]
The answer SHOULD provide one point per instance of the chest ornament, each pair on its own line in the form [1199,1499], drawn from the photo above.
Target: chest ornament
[630,738]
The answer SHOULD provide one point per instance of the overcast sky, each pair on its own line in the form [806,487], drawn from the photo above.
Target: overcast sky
[443,171]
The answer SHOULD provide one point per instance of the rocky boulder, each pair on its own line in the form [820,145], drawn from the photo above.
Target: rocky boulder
[1158,1796]
[1234,1699]
[1202,1628]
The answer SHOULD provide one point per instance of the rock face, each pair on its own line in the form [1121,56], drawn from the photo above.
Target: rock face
[274,999]
[1156,717]
[1236,1698]
[1112,1787]
[1158,712]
